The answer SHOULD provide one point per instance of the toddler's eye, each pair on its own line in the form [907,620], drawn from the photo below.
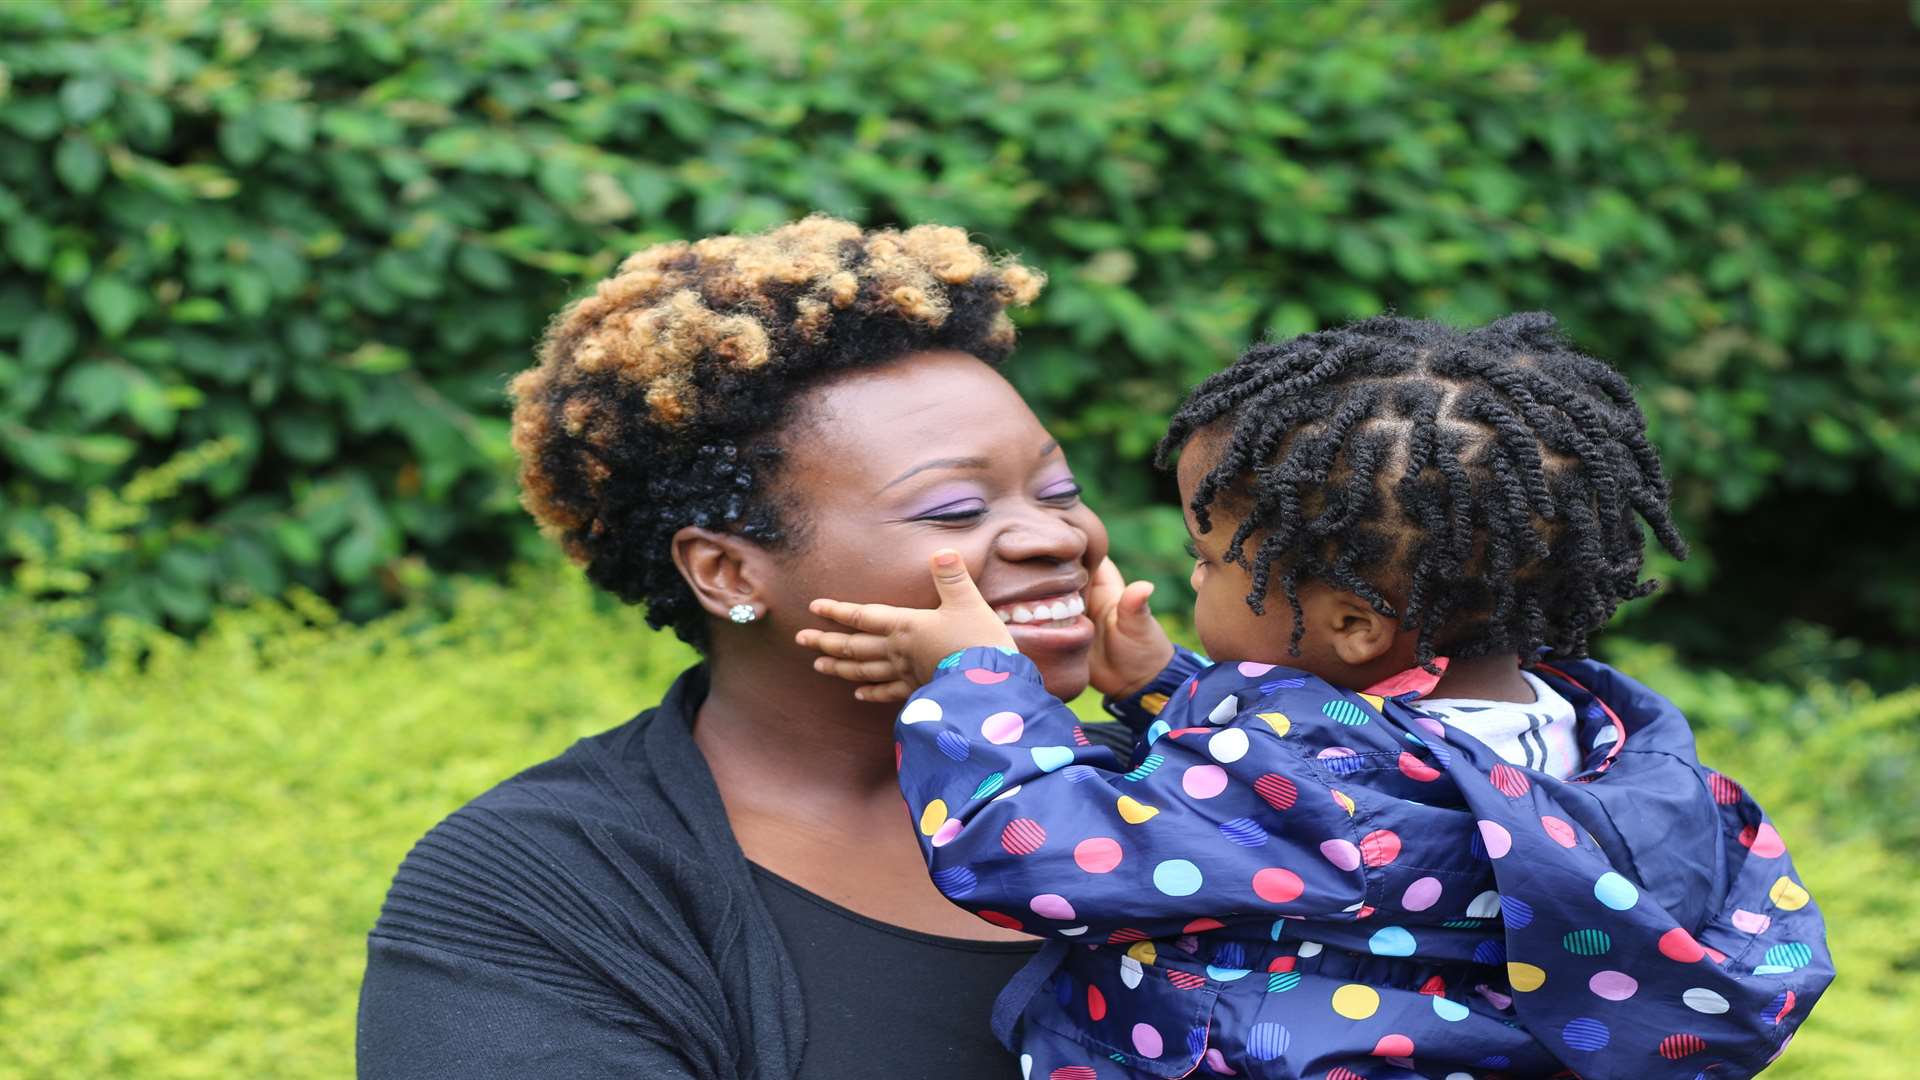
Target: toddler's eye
[1193,552]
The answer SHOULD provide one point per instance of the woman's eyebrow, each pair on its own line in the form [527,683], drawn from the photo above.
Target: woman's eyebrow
[940,463]
[1050,447]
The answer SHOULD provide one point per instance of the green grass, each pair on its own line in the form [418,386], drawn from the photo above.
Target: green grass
[194,848]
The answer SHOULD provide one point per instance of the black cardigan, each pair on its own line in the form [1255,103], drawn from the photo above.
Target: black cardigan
[592,917]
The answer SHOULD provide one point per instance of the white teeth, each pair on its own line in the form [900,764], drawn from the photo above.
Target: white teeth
[1076,605]
[1022,615]
[1005,615]
[1060,611]
[1067,607]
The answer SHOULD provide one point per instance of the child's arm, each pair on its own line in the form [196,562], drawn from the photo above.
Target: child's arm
[1023,822]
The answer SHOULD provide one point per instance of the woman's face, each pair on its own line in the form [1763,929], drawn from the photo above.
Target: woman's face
[886,466]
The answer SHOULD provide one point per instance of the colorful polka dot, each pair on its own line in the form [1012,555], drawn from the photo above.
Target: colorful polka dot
[1525,977]
[1517,913]
[1276,885]
[983,677]
[1253,670]
[1052,906]
[1356,1001]
[921,711]
[954,745]
[1613,985]
[1678,945]
[1133,811]
[1344,712]
[1147,1041]
[1380,847]
[1495,838]
[934,816]
[1422,894]
[990,785]
[1750,922]
[1763,841]
[1226,710]
[1393,1046]
[1341,853]
[1391,941]
[1096,1004]
[1097,854]
[1509,781]
[1787,895]
[1415,769]
[1131,972]
[1003,727]
[1204,781]
[1561,832]
[1177,877]
[1268,1041]
[1616,892]
[1049,758]
[946,833]
[1277,791]
[1244,831]
[1586,1033]
[1022,836]
[1702,1000]
[1447,1009]
[957,882]
[1228,746]
[1675,1047]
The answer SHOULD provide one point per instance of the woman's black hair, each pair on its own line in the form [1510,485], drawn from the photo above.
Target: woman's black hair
[658,400]
[1485,487]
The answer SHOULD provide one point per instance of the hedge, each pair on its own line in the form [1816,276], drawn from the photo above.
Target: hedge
[306,244]
[191,874]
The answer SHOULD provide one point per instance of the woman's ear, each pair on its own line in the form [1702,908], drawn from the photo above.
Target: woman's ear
[1359,635]
[723,570]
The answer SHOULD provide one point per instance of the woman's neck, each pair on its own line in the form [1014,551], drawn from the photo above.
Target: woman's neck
[783,736]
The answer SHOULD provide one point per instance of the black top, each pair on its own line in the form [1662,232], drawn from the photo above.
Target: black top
[593,918]
[866,984]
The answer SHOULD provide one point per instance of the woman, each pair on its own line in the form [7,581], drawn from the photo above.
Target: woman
[727,884]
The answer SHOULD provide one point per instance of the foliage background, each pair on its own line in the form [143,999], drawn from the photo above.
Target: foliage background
[264,268]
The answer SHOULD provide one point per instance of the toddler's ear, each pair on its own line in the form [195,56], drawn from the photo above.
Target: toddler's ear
[1358,634]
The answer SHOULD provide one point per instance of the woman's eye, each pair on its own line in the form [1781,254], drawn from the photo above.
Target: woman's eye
[956,512]
[1061,492]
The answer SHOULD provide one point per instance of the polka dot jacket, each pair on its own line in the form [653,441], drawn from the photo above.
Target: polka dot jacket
[1293,880]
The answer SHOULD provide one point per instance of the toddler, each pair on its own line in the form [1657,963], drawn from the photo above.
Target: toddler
[1407,831]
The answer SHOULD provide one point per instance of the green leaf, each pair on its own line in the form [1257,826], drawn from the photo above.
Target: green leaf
[297,542]
[78,164]
[303,435]
[287,124]
[85,97]
[114,304]
[96,389]
[30,242]
[46,340]
[482,266]
[241,140]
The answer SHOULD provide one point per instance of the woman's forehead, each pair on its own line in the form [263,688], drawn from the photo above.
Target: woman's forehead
[925,408]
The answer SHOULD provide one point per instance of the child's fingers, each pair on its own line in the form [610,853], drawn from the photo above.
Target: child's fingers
[873,618]
[845,646]
[896,691]
[955,585]
[860,671]
[1133,601]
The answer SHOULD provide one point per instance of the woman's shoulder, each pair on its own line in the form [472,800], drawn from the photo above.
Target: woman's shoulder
[566,849]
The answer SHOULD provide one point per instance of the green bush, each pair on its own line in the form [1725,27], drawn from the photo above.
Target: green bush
[196,835]
[327,233]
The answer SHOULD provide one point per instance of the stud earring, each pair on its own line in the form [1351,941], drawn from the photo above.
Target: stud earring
[743,613]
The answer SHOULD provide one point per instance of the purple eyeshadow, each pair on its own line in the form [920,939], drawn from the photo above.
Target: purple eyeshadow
[948,500]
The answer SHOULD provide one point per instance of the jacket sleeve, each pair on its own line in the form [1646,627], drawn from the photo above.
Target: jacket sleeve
[1029,826]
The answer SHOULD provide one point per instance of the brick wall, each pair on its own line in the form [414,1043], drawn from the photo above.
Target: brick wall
[1778,84]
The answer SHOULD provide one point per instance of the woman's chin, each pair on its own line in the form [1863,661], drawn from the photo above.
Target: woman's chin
[1060,652]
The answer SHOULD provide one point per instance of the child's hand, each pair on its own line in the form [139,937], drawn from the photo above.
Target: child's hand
[1129,645]
[897,649]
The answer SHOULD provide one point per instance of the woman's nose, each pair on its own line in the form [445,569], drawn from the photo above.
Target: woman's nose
[1041,536]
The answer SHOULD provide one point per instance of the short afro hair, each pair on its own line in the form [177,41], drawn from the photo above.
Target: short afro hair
[658,399]
[1494,479]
